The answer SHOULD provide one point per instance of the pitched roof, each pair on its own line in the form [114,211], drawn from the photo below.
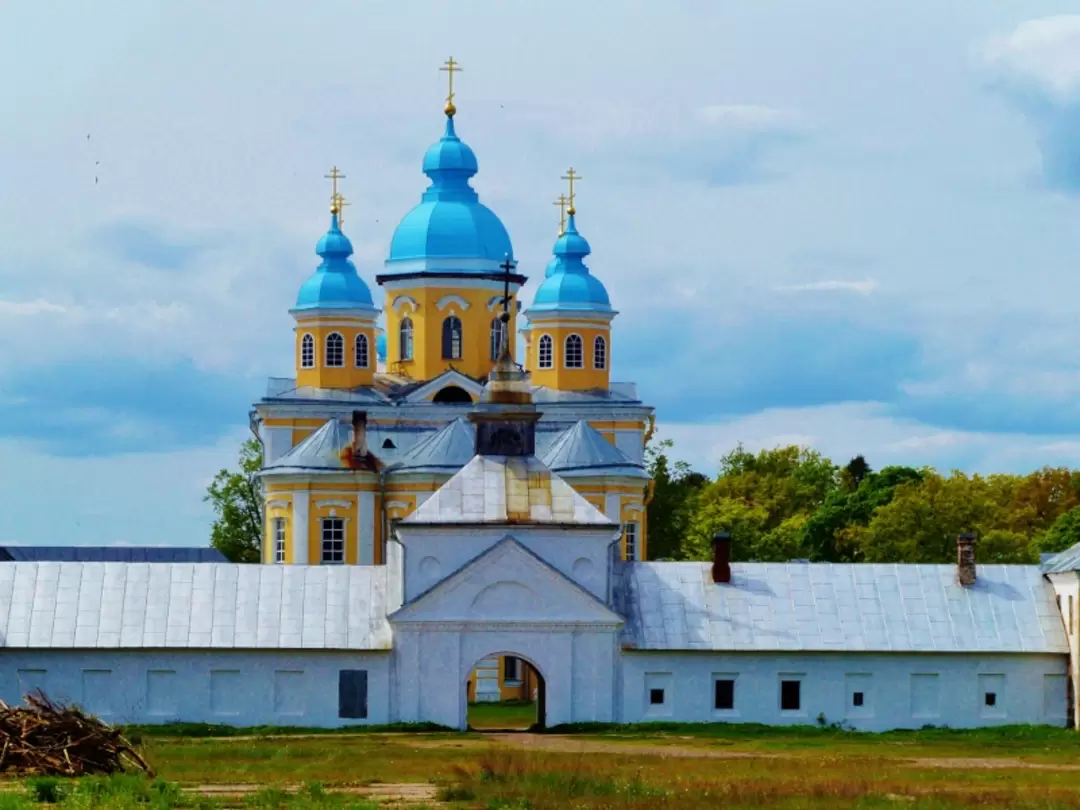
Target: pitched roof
[193,605]
[199,554]
[1067,560]
[838,607]
[582,450]
[449,448]
[320,451]
[506,489]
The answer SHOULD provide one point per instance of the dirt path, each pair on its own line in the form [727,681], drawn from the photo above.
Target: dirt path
[403,792]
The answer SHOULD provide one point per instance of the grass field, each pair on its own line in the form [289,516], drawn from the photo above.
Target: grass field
[654,767]
[507,714]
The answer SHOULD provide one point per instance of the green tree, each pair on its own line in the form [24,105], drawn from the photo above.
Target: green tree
[1064,534]
[237,503]
[675,486]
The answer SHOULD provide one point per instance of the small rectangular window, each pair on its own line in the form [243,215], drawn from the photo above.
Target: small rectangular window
[333,540]
[656,697]
[279,540]
[990,698]
[511,669]
[724,697]
[352,694]
[857,699]
[790,696]
[630,541]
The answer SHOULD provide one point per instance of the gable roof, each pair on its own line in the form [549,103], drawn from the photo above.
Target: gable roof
[1063,562]
[199,554]
[557,598]
[506,489]
[424,391]
[324,450]
[583,450]
[838,607]
[193,605]
[449,448]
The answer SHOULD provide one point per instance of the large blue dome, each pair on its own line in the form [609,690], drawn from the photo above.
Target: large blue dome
[335,284]
[568,284]
[451,223]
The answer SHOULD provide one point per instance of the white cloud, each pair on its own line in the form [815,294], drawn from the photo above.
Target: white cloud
[748,117]
[864,287]
[1044,53]
[38,306]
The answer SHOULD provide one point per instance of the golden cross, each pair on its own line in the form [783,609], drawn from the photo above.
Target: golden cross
[561,202]
[571,175]
[451,67]
[333,177]
[337,206]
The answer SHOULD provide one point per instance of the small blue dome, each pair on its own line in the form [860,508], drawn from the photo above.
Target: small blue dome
[380,347]
[450,222]
[568,285]
[335,284]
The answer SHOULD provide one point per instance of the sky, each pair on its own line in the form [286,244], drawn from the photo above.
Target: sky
[853,226]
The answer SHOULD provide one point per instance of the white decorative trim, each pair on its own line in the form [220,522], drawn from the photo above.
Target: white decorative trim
[447,300]
[565,353]
[633,507]
[278,504]
[496,301]
[539,343]
[568,318]
[404,299]
[342,504]
[397,505]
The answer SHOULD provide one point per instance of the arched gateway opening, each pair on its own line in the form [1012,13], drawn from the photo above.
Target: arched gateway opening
[505,692]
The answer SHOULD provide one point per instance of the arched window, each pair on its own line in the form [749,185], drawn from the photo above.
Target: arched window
[545,352]
[575,352]
[497,329]
[335,350]
[361,350]
[599,352]
[307,352]
[451,338]
[405,339]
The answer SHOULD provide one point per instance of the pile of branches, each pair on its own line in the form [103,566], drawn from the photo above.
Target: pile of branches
[52,739]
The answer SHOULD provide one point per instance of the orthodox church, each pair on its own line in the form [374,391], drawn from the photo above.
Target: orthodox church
[446,525]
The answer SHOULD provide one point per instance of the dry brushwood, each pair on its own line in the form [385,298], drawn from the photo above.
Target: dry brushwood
[51,739]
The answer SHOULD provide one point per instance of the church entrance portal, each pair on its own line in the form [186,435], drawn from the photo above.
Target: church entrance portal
[505,692]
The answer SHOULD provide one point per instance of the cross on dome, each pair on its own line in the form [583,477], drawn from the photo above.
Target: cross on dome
[450,67]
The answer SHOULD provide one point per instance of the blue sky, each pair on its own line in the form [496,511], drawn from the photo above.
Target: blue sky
[850,225]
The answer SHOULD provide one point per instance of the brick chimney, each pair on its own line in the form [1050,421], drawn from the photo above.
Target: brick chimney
[965,559]
[359,434]
[721,555]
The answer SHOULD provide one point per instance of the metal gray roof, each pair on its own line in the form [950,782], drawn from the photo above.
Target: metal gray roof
[506,489]
[582,450]
[197,554]
[448,449]
[193,605]
[1067,560]
[320,451]
[838,607]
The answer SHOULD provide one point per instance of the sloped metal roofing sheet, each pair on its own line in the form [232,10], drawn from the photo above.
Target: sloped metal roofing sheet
[1067,560]
[582,449]
[193,605]
[110,554]
[838,607]
[449,448]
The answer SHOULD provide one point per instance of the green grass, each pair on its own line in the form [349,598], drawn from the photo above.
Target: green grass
[502,714]
[213,730]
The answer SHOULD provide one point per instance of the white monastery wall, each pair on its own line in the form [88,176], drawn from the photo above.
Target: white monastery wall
[1067,590]
[899,690]
[237,688]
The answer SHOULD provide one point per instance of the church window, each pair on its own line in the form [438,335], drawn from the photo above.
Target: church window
[307,352]
[790,696]
[545,352]
[335,350]
[630,541]
[333,540]
[599,352]
[352,694]
[279,540]
[511,669]
[497,330]
[575,352]
[360,349]
[451,338]
[724,697]
[405,349]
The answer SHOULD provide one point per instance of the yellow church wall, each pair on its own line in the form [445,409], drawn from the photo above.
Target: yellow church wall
[559,377]
[428,307]
[347,375]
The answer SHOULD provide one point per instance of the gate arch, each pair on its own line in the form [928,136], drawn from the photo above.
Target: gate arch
[541,687]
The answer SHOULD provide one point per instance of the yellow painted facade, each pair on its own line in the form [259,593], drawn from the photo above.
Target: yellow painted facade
[553,371]
[312,368]
[427,308]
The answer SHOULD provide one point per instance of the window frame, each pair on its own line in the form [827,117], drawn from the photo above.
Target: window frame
[279,539]
[580,351]
[549,342]
[307,350]
[631,536]
[496,337]
[405,340]
[453,341]
[724,679]
[786,681]
[599,352]
[511,674]
[323,540]
[350,679]
[361,340]
[339,345]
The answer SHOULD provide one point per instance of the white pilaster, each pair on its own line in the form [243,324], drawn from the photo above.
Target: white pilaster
[301,510]
[365,528]
[613,507]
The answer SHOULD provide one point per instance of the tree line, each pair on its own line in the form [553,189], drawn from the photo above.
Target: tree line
[791,503]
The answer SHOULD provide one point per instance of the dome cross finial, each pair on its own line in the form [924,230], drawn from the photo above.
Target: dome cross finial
[333,177]
[572,177]
[337,206]
[561,202]
[450,66]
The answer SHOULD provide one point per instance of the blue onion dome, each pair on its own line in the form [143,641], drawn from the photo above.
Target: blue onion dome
[380,346]
[335,284]
[568,284]
[450,223]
